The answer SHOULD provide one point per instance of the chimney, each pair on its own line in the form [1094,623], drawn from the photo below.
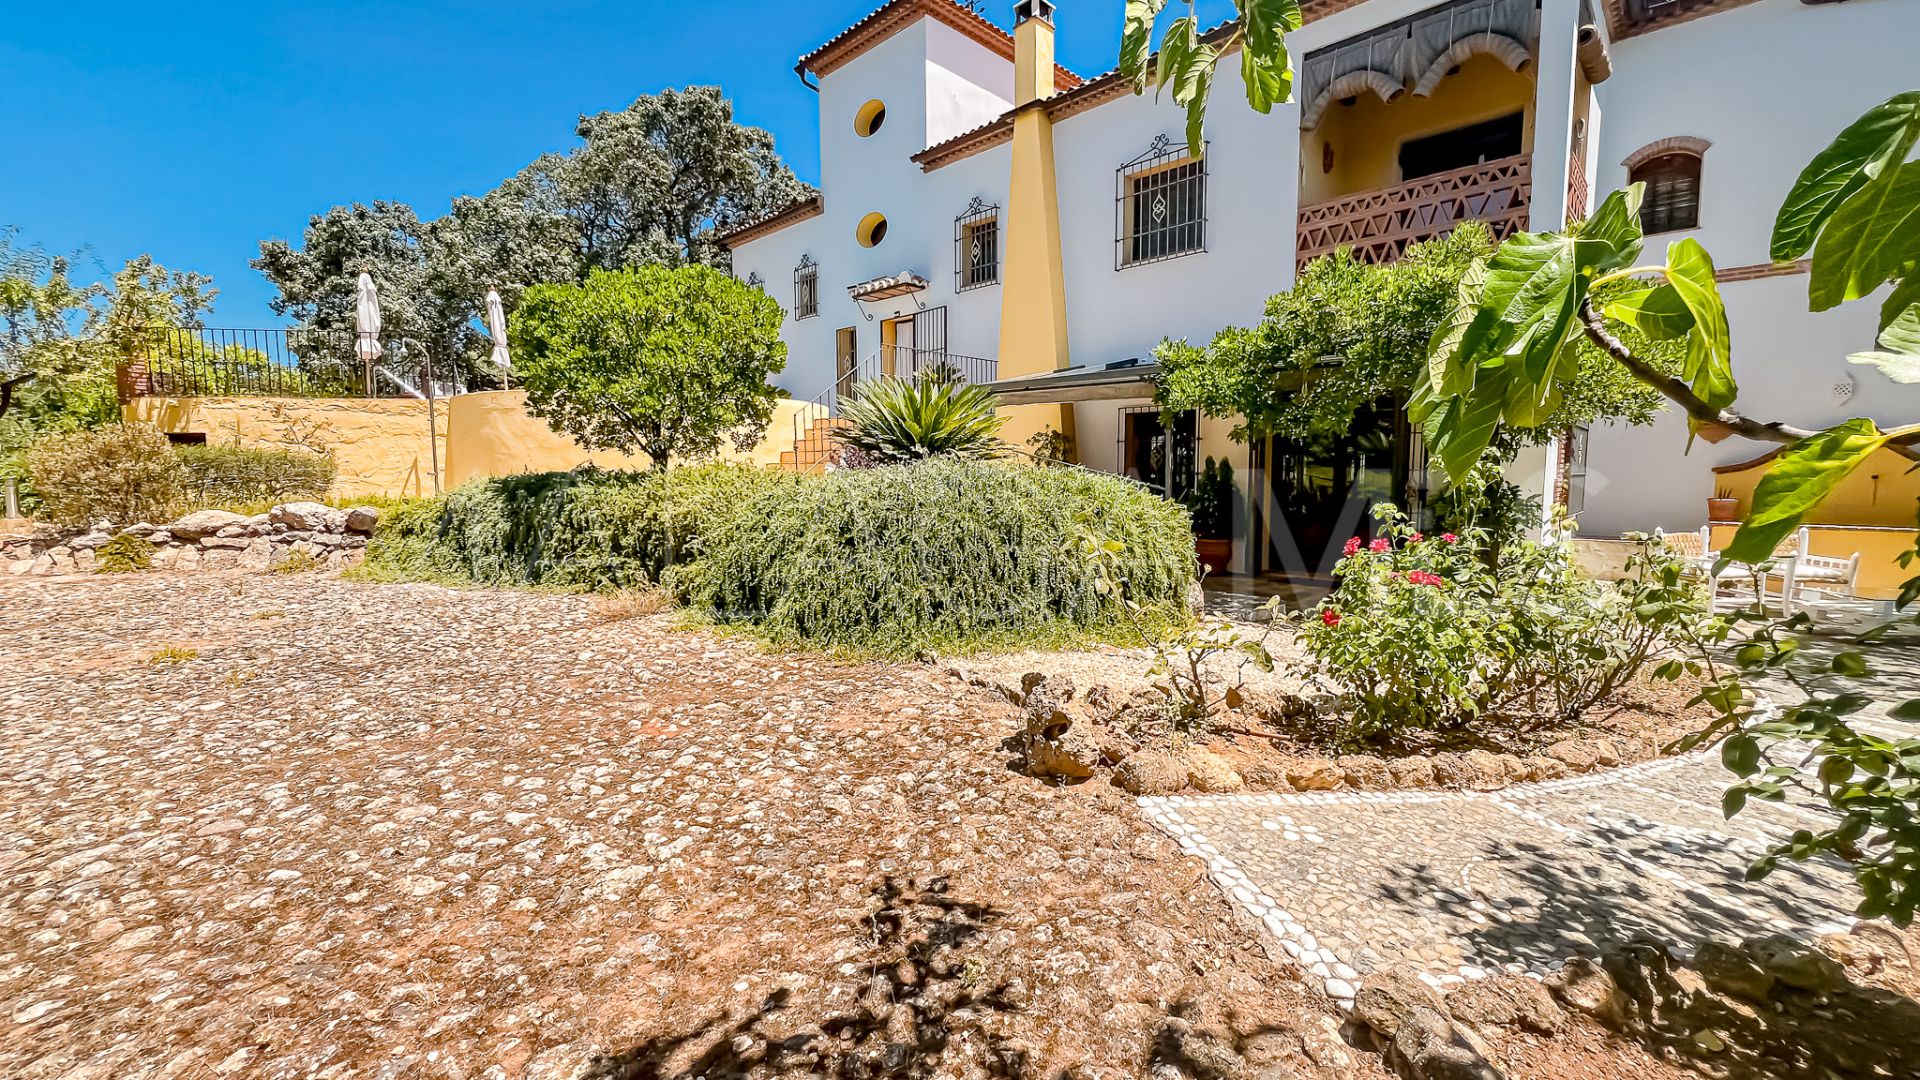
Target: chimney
[1032,51]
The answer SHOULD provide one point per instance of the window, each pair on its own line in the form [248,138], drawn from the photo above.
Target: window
[1161,206]
[1461,148]
[872,230]
[868,120]
[806,288]
[1673,191]
[1158,456]
[976,247]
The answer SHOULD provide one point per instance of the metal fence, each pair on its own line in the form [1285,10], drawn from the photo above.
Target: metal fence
[283,363]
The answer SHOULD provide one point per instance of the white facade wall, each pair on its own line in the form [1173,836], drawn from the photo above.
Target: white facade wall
[1770,85]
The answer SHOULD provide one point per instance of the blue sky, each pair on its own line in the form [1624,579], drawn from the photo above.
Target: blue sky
[194,131]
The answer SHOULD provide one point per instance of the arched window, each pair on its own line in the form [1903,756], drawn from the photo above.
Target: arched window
[1671,170]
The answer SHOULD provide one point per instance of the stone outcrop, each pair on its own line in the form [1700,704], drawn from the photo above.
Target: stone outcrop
[291,536]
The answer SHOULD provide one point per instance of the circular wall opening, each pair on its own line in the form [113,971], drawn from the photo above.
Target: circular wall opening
[872,230]
[870,117]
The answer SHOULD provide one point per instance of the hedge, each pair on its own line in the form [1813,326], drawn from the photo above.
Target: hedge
[938,556]
[229,476]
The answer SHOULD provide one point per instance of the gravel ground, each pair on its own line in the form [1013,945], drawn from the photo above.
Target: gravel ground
[292,826]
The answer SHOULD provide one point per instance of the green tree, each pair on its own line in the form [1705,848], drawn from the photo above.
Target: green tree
[654,183]
[664,362]
[1350,333]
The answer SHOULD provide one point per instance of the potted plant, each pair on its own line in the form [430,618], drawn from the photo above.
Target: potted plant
[1211,504]
[1723,506]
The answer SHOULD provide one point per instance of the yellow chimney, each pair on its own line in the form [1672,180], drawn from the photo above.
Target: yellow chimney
[1032,51]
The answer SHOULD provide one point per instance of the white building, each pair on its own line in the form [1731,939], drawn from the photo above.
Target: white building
[999,214]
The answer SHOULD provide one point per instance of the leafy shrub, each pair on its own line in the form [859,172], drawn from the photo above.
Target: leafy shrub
[942,555]
[239,475]
[121,473]
[124,554]
[1422,634]
[586,529]
[896,420]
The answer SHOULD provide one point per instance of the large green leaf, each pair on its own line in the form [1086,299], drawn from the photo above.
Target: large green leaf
[1658,313]
[1198,90]
[1798,479]
[1136,41]
[1266,23]
[1899,355]
[1447,369]
[1872,238]
[1268,81]
[1175,65]
[1709,366]
[1861,152]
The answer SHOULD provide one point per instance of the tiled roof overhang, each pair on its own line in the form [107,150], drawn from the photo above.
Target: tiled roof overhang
[895,16]
[809,207]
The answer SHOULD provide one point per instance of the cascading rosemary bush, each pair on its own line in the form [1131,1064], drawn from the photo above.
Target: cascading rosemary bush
[586,529]
[1423,635]
[941,556]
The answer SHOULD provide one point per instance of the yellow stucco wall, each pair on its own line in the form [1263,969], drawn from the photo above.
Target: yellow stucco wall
[493,434]
[1033,295]
[1885,491]
[1366,135]
[1881,574]
[380,445]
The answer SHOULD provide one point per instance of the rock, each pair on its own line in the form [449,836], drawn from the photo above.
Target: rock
[1545,768]
[1411,772]
[308,517]
[89,542]
[1389,996]
[160,538]
[1045,704]
[1314,774]
[1323,1046]
[141,528]
[259,555]
[362,519]
[1427,1047]
[1485,770]
[203,523]
[1605,753]
[1732,972]
[1151,772]
[1855,953]
[1208,771]
[1577,757]
[1194,1053]
[1506,1002]
[1585,987]
[1364,772]
[1795,963]
[1452,770]
[234,542]
[1072,756]
[236,530]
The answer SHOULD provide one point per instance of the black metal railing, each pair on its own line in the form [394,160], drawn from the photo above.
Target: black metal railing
[811,425]
[283,363]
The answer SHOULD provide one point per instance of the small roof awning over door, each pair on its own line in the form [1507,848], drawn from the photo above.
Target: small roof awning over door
[886,288]
[1115,382]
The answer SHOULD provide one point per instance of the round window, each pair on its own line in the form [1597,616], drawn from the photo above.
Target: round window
[873,229]
[870,117]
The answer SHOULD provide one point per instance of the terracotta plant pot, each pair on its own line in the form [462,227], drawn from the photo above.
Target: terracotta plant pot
[1215,555]
[1723,510]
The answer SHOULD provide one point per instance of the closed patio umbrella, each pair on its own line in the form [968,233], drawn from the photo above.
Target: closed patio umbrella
[366,326]
[497,330]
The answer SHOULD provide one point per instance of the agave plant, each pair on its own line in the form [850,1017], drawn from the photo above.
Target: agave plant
[896,420]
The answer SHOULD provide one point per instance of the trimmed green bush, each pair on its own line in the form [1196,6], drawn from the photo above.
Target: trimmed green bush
[243,475]
[945,555]
[123,473]
[586,529]
[124,554]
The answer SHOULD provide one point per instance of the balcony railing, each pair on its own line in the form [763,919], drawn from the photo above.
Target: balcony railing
[281,363]
[1378,225]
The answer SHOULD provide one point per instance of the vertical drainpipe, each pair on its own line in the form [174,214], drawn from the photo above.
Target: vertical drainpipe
[1556,85]
[1033,295]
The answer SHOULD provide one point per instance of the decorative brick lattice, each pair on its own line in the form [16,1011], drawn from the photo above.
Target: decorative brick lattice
[1378,225]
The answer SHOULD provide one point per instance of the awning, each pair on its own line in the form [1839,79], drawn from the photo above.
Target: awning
[1114,382]
[886,288]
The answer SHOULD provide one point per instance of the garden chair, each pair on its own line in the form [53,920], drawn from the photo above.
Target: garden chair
[1819,576]
[1697,549]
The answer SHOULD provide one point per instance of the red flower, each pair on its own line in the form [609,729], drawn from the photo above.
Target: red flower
[1380,545]
[1352,548]
[1422,577]
[1416,538]
[1330,616]
[1450,538]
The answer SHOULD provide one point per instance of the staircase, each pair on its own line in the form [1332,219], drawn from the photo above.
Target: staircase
[815,445]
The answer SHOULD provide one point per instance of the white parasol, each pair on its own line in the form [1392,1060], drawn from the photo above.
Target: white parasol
[497,330]
[366,320]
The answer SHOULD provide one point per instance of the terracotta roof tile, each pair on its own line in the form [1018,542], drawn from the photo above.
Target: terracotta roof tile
[894,16]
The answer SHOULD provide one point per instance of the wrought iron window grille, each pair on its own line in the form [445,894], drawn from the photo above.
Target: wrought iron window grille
[976,246]
[755,281]
[1160,206]
[806,288]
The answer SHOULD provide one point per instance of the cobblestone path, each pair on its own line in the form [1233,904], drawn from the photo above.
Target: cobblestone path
[1466,884]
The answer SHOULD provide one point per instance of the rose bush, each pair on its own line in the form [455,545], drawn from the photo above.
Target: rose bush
[1422,635]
